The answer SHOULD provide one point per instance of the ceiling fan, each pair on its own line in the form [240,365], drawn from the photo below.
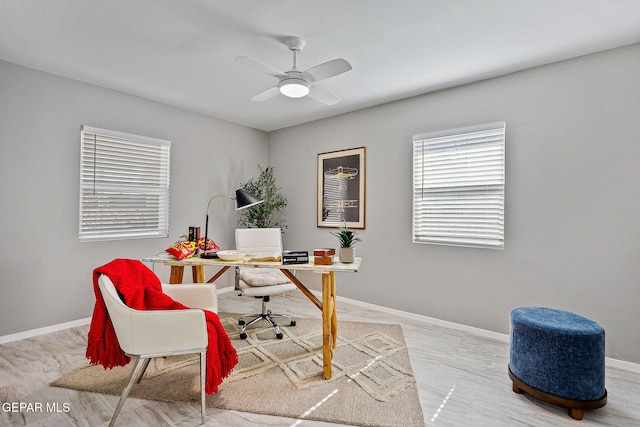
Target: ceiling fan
[295,83]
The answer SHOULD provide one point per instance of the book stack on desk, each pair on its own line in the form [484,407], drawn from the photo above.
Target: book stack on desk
[323,256]
[295,257]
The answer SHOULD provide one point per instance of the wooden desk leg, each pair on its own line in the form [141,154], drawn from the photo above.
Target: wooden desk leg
[197,272]
[334,313]
[302,288]
[329,316]
[176,274]
[215,277]
[329,322]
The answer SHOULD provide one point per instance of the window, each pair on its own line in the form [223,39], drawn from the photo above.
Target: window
[458,187]
[124,186]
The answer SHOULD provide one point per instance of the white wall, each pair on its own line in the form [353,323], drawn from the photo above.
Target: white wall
[572,198]
[45,271]
[572,208]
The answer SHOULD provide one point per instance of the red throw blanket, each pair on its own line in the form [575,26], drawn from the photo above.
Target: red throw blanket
[141,290]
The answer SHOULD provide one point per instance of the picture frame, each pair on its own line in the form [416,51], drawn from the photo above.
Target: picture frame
[342,188]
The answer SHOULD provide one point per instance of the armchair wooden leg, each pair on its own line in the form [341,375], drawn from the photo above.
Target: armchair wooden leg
[137,370]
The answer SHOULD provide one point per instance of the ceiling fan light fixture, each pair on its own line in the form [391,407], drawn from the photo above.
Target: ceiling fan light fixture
[295,83]
[294,87]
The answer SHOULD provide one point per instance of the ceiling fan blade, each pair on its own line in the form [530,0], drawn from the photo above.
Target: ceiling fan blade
[267,94]
[259,66]
[323,96]
[328,69]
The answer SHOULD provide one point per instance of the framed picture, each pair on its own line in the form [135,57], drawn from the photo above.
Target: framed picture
[341,188]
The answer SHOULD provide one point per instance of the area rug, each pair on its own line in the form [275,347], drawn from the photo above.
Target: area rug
[372,383]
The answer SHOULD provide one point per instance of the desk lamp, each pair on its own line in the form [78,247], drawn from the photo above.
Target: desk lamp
[243,200]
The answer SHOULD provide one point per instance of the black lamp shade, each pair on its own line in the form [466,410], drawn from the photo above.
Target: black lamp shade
[245,199]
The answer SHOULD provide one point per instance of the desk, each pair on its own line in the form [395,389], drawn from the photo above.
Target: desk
[327,306]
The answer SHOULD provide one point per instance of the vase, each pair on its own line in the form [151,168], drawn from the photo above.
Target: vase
[346,255]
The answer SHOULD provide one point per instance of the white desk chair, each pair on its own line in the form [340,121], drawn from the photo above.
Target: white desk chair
[145,334]
[261,282]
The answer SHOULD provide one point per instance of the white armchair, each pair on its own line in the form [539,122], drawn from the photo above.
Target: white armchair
[144,335]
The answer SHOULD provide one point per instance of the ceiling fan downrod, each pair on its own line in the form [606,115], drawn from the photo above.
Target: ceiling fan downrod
[294,85]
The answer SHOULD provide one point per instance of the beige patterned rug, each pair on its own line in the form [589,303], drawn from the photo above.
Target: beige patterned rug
[372,384]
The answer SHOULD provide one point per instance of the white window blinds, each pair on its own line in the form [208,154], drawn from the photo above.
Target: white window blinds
[124,186]
[458,187]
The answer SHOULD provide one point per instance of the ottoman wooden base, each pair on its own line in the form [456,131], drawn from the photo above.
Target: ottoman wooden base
[575,407]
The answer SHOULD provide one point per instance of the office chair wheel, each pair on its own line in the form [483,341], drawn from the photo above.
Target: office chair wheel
[243,336]
[280,335]
[240,322]
[293,323]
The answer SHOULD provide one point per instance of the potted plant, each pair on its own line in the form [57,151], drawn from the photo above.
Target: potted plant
[347,239]
[267,214]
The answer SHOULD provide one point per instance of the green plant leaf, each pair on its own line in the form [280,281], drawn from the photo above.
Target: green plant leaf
[268,214]
[346,237]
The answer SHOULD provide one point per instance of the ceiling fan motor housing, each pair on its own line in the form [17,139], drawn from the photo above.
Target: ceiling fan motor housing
[294,85]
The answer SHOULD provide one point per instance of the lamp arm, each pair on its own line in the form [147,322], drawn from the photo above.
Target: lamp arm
[215,197]
[206,226]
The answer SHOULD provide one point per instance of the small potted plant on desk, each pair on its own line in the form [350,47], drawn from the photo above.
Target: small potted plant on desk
[347,239]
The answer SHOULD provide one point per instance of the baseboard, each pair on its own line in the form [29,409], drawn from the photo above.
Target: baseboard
[46,330]
[623,365]
[226,289]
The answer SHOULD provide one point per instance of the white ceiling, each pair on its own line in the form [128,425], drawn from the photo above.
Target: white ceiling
[182,52]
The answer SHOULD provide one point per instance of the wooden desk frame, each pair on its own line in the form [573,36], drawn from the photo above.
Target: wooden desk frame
[327,306]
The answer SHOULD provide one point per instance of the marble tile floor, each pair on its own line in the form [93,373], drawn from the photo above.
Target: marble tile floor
[461,377]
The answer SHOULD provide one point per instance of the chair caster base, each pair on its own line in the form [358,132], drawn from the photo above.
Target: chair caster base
[265,315]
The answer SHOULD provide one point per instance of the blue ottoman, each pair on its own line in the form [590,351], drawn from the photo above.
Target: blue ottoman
[557,357]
